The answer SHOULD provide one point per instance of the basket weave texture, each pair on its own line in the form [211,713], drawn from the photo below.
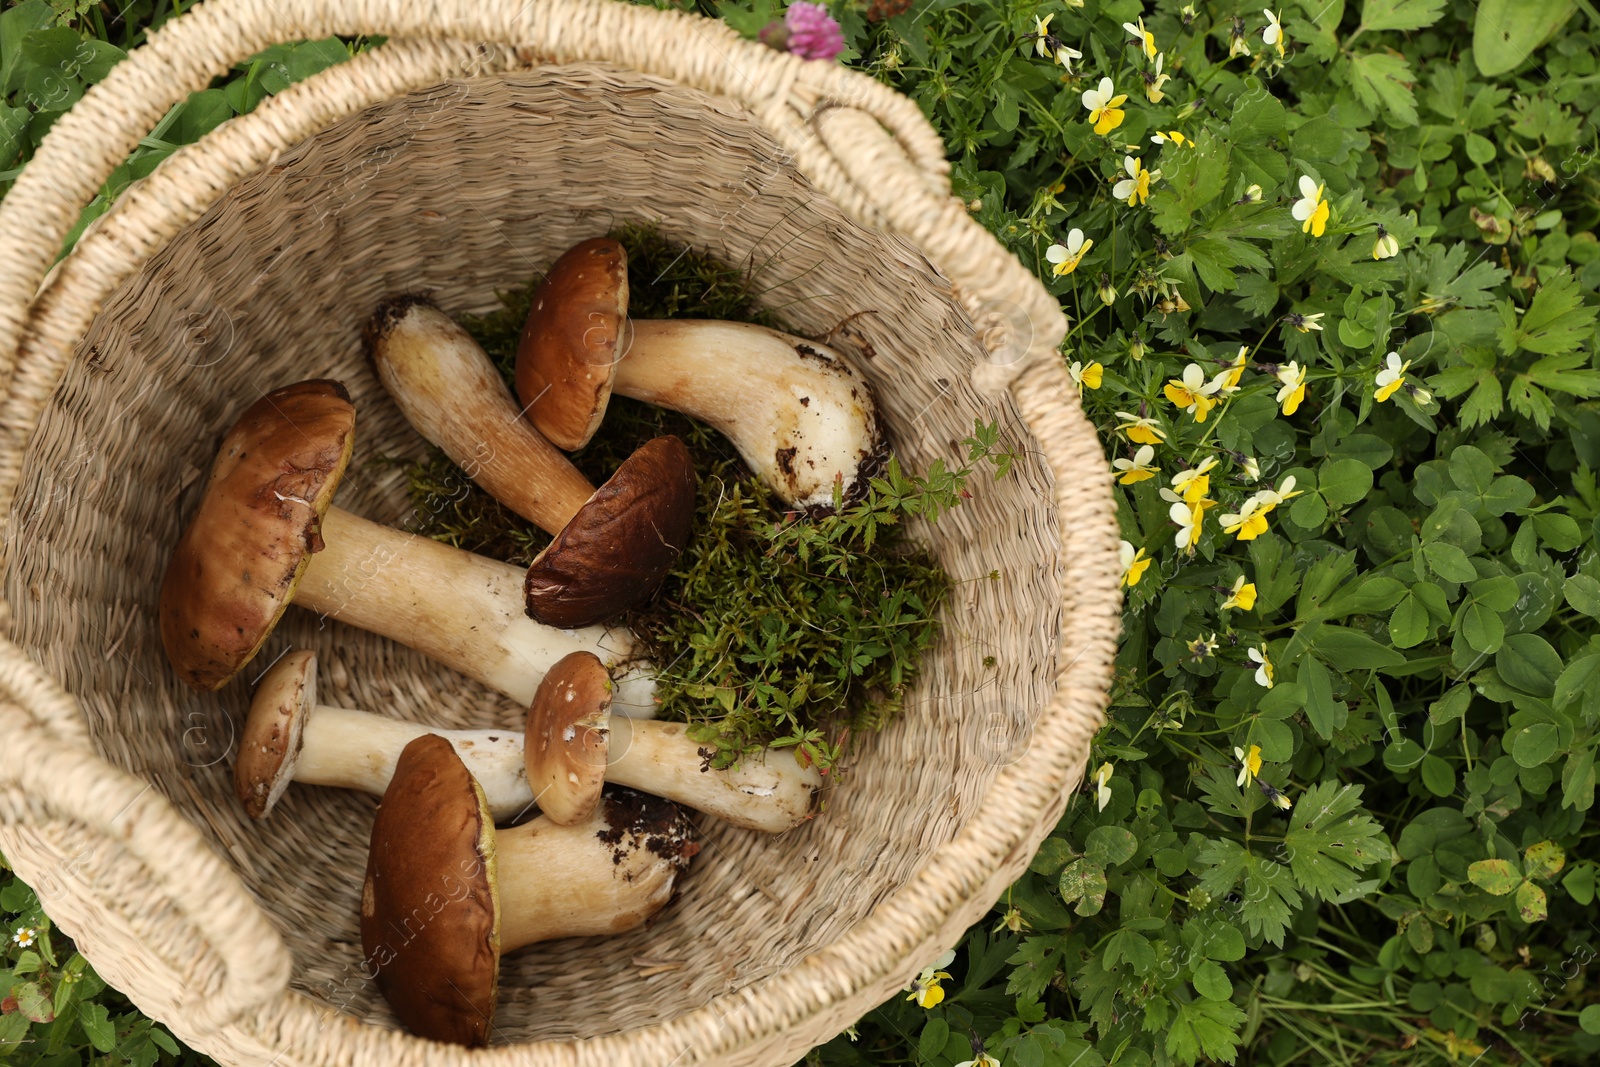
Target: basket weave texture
[444,163]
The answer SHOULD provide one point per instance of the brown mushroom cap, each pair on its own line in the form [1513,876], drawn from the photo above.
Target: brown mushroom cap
[237,565]
[430,914]
[568,737]
[571,341]
[620,546]
[272,732]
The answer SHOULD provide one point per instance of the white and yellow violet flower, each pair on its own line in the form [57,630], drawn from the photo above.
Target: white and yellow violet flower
[1064,258]
[1189,518]
[1135,188]
[1192,485]
[1090,377]
[1250,762]
[1273,34]
[1105,106]
[1264,676]
[1391,377]
[1138,469]
[1134,563]
[1146,39]
[1311,210]
[1292,380]
[1248,523]
[1139,429]
[1274,797]
[925,988]
[1237,45]
[1243,596]
[1385,246]
[1271,498]
[1102,786]
[1193,393]
[1155,79]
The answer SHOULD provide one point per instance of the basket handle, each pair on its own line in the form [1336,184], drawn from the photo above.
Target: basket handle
[240,961]
[863,144]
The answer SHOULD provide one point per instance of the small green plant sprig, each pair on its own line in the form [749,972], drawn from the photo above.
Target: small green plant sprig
[774,629]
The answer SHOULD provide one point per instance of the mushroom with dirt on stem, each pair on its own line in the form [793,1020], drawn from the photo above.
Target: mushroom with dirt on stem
[445,894]
[613,546]
[265,535]
[795,410]
[571,746]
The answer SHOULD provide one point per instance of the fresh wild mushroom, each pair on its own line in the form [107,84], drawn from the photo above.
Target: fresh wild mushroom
[265,535]
[445,894]
[570,747]
[614,546]
[794,409]
[573,745]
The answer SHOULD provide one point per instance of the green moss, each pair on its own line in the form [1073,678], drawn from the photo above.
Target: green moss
[772,629]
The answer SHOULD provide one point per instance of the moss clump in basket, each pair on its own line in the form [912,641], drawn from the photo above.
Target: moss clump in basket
[773,629]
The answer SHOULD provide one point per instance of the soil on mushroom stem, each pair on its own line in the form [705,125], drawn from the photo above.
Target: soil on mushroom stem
[774,629]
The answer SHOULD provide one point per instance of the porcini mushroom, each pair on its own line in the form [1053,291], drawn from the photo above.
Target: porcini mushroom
[570,747]
[794,409]
[613,547]
[265,535]
[445,894]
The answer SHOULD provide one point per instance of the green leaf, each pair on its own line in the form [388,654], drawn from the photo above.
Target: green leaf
[1449,562]
[1494,876]
[1207,1028]
[1269,893]
[1084,882]
[1579,883]
[1528,662]
[1194,179]
[1330,839]
[1544,859]
[33,1002]
[1352,650]
[1536,744]
[1109,846]
[1578,781]
[1589,1019]
[1384,78]
[1482,627]
[1257,116]
[1410,624]
[1531,903]
[97,1026]
[1053,854]
[1438,776]
[1132,946]
[1556,323]
[1506,32]
[1325,713]
[1400,14]
[1211,981]
[1344,481]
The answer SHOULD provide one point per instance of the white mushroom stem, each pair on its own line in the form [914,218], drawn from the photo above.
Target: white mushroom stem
[794,409]
[350,749]
[772,792]
[461,609]
[562,881]
[450,391]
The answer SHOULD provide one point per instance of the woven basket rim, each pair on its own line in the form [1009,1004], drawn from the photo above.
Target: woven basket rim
[911,916]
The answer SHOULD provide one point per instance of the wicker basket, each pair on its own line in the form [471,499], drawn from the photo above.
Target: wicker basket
[441,162]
